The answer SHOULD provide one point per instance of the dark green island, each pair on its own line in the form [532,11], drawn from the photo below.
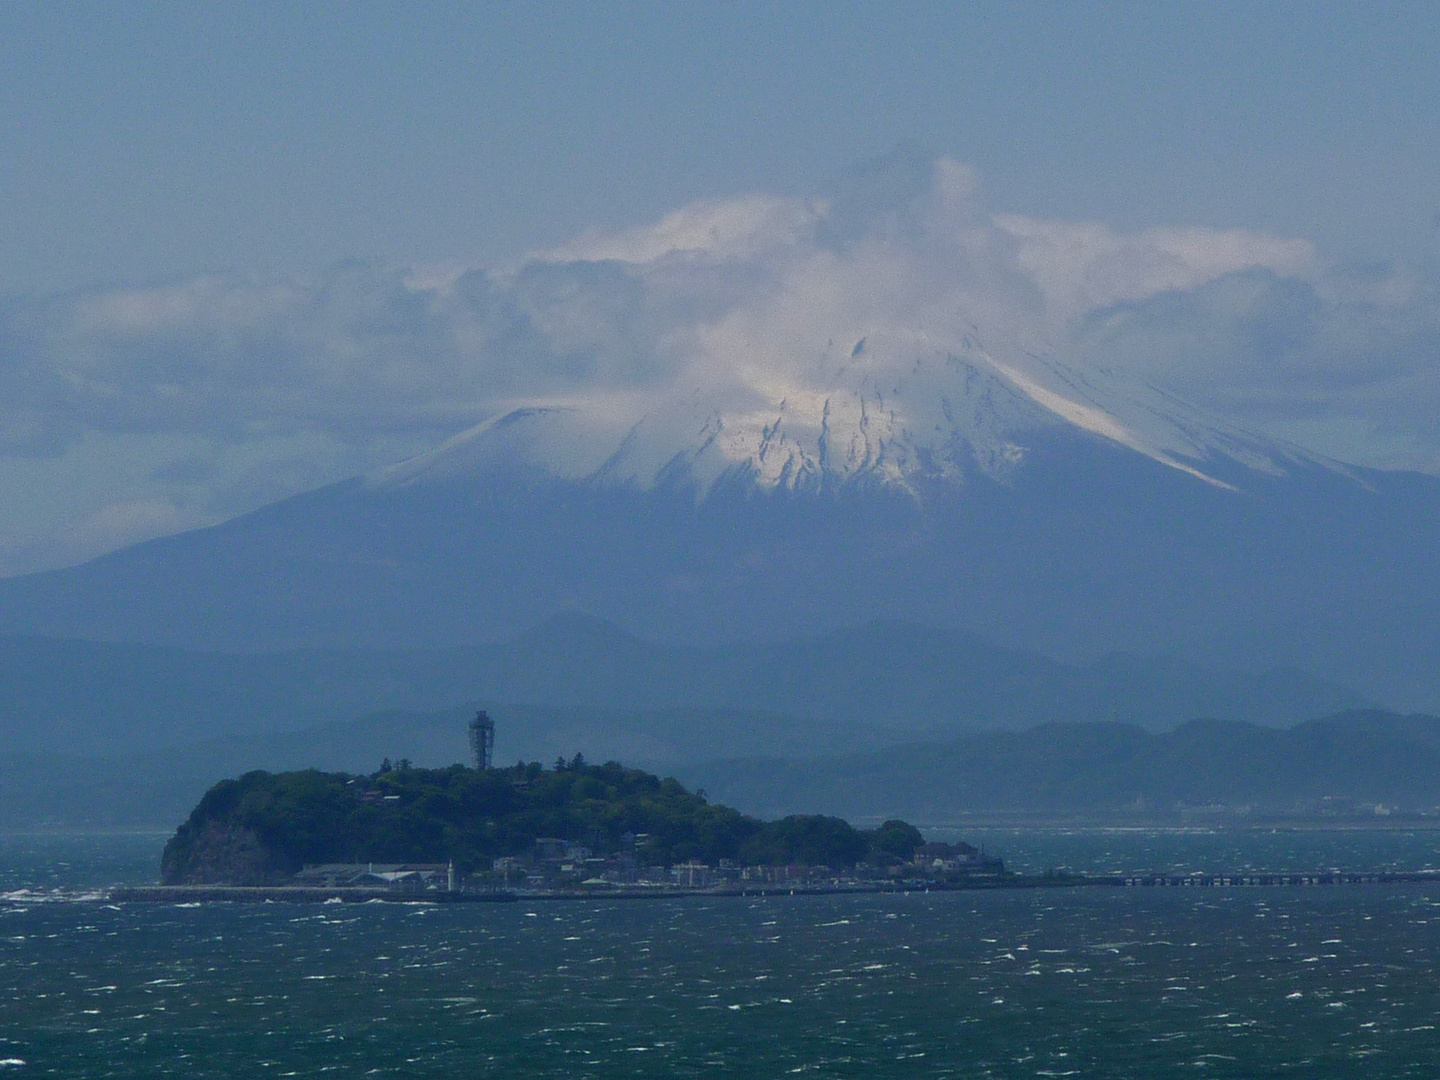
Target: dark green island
[574,828]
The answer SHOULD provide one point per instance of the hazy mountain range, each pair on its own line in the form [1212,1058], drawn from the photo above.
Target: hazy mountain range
[779,552]
[1345,765]
[106,734]
[1227,772]
[870,686]
[1042,522]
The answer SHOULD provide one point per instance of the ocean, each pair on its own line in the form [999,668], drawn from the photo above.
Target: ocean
[1135,983]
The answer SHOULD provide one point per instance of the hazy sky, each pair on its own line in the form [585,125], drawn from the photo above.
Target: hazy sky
[220,223]
[144,141]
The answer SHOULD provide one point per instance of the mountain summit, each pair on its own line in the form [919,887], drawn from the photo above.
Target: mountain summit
[1076,546]
[894,332]
[938,416]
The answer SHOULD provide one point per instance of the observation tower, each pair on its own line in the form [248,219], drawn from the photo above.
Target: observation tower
[482,740]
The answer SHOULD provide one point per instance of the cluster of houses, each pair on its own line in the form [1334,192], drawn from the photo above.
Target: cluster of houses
[556,864]
[958,858]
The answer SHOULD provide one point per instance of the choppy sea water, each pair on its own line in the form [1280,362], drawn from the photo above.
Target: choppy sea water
[1136,983]
[1211,851]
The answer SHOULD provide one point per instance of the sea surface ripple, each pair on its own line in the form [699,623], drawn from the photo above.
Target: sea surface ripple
[1332,982]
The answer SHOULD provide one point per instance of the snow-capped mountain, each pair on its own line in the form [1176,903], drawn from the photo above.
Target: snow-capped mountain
[767,417]
[897,333]
[940,416]
[1074,515]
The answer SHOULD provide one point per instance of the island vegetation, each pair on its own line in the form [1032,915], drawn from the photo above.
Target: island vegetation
[263,828]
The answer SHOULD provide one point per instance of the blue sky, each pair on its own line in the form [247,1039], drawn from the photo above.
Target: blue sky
[220,223]
[145,141]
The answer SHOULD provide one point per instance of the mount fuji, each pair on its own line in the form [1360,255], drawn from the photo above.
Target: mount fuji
[945,482]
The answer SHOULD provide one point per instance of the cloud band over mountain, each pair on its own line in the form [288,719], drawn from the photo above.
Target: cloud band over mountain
[188,402]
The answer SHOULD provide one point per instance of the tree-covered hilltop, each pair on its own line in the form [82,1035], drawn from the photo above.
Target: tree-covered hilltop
[263,827]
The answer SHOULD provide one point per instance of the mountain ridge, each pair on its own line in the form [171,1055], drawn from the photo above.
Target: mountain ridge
[1229,773]
[944,413]
[891,678]
[1358,764]
[1080,547]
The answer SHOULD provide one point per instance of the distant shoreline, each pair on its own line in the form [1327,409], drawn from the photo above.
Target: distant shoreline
[1197,824]
[312,894]
[254,894]
[1018,822]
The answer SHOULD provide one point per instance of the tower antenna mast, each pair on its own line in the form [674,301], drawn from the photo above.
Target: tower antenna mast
[482,740]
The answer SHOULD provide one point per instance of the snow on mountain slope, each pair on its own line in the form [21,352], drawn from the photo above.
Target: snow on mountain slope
[993,463]
[893,332]
[862,413]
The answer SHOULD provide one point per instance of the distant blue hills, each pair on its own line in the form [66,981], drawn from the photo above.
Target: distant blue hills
[104,734]
[1351,767]
[864,687]
[1356,766]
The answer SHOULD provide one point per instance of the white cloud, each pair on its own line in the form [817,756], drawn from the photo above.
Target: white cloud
[744,228]
[1348,365]
[753,299]
[1081,267]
